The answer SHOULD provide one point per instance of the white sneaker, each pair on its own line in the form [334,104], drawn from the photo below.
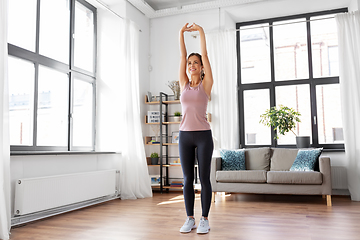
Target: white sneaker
[188,225]
[203,226]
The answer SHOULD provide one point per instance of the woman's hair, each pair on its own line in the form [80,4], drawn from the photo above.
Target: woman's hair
[199,56]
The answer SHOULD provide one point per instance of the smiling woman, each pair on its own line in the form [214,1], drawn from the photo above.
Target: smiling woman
[195,132]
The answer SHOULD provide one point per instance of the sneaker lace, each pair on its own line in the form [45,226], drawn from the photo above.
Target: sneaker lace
[188,221]
[202,222]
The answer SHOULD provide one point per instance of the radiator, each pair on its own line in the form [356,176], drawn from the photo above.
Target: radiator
[339,177]
[43,193]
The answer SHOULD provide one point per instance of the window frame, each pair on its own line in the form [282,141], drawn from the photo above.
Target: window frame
[69,69]
[311,81]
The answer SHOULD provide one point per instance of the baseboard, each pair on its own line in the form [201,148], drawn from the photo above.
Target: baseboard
[19,220]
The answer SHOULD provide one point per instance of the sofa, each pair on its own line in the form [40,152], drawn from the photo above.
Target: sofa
[267,171]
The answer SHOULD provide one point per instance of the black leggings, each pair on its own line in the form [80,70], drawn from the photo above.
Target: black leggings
[188,141]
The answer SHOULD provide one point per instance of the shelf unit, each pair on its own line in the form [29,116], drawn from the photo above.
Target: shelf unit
[164,144]
[164,165]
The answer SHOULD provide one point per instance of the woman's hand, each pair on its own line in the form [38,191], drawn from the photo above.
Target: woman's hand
[185,28]
[194,27]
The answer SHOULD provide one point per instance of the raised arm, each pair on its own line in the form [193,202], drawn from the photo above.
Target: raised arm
[208,78]
[183,78]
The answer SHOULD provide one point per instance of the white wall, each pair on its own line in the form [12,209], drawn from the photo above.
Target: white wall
[354,5]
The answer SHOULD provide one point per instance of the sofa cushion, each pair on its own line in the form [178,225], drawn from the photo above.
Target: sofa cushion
[257,158]
[288,177]
[244,176]
[232,159]
[306,159]
[282,159]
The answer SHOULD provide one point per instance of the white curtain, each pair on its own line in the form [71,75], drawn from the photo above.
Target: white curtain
[4,128]
[224,104]
[135,181]
[349,58]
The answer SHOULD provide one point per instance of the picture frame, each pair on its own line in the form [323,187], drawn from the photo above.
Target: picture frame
[175,137]
[155,180]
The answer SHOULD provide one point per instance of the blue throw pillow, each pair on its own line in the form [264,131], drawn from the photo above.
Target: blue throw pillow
[306,159]
[232,159]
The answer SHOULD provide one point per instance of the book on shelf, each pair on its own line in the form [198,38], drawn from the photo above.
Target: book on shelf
[176,184]
[175,164]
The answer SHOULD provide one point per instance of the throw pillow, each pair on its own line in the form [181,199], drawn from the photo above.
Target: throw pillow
[306,159]
[232,160]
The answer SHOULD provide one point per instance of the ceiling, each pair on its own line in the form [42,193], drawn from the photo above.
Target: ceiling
[162,8]
[163,4]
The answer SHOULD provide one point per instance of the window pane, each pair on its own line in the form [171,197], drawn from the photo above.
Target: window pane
[290,49]
[22,23]
[329,113]
[82,113]
[255,54]
[52,120]
[324,43]
[54,29]
[298,98]
[84,37]
[21,101]
[256,102]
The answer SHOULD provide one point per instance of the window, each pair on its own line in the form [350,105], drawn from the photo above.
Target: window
[52,75]
[290,61]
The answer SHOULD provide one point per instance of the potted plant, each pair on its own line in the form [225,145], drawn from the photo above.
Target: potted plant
[283,120]
[154,158]
[177,116]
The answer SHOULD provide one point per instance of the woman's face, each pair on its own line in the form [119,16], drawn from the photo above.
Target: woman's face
[194,65]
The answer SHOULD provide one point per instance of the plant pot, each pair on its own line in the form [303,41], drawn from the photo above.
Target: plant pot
[154,161]
[177,119]
[302,141]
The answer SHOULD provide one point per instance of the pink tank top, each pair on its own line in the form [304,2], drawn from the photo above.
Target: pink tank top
[194,104]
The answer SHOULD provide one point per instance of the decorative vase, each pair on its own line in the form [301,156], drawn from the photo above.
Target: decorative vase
[302,141]
[154,161]
[176,95]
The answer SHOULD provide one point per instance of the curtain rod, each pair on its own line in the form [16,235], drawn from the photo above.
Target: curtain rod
[236,30]
[110,10]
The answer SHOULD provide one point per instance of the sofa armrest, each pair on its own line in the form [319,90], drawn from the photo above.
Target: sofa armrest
[215,166]
[325,169]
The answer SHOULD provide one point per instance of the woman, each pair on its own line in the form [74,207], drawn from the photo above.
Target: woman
[195,132]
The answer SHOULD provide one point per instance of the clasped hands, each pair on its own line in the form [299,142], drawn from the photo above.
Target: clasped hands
[192,28]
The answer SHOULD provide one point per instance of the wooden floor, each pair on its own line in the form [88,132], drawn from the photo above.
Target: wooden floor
[235,216]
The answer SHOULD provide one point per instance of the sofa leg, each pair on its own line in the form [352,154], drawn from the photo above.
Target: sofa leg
[213,197]
[328,200]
